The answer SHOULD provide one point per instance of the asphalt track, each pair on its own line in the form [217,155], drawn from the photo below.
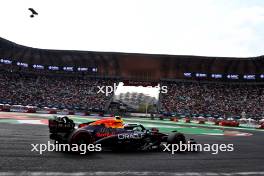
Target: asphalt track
[16,157]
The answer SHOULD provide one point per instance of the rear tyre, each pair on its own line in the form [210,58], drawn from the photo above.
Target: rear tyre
[79,140]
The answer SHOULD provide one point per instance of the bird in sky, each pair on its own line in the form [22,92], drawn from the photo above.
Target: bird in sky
[33,12]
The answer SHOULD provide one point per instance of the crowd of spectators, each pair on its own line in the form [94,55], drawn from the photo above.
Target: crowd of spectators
[214,99]
[78,91]
[57,91]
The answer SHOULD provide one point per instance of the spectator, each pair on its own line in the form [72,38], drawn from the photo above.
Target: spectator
[55,91]
[214,98]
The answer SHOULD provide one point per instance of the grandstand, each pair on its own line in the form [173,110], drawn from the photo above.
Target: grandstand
[79,93]
[135,99]
[209,86]
[213,99]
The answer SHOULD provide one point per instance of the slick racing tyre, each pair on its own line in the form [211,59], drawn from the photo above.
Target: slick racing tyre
[176,138]
[80,138]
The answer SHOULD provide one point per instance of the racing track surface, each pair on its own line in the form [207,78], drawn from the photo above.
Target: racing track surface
[16,157]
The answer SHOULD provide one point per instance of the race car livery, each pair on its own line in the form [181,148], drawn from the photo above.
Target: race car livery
[111,133]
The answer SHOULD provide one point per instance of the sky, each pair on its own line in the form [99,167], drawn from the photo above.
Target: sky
[187,27]
[229,28]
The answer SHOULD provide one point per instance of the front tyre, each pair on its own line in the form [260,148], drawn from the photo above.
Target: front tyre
[176,138]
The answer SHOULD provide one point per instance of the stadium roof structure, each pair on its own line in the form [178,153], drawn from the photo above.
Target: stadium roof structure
[133,65]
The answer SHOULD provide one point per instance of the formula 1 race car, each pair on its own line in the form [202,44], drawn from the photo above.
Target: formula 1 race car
[112,134]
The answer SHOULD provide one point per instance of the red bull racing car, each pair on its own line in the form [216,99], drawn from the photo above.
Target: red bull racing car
[112,134]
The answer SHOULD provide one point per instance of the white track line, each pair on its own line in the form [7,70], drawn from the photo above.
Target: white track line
[25,173]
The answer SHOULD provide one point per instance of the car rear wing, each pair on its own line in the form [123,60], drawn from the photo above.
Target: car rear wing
[61,125]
